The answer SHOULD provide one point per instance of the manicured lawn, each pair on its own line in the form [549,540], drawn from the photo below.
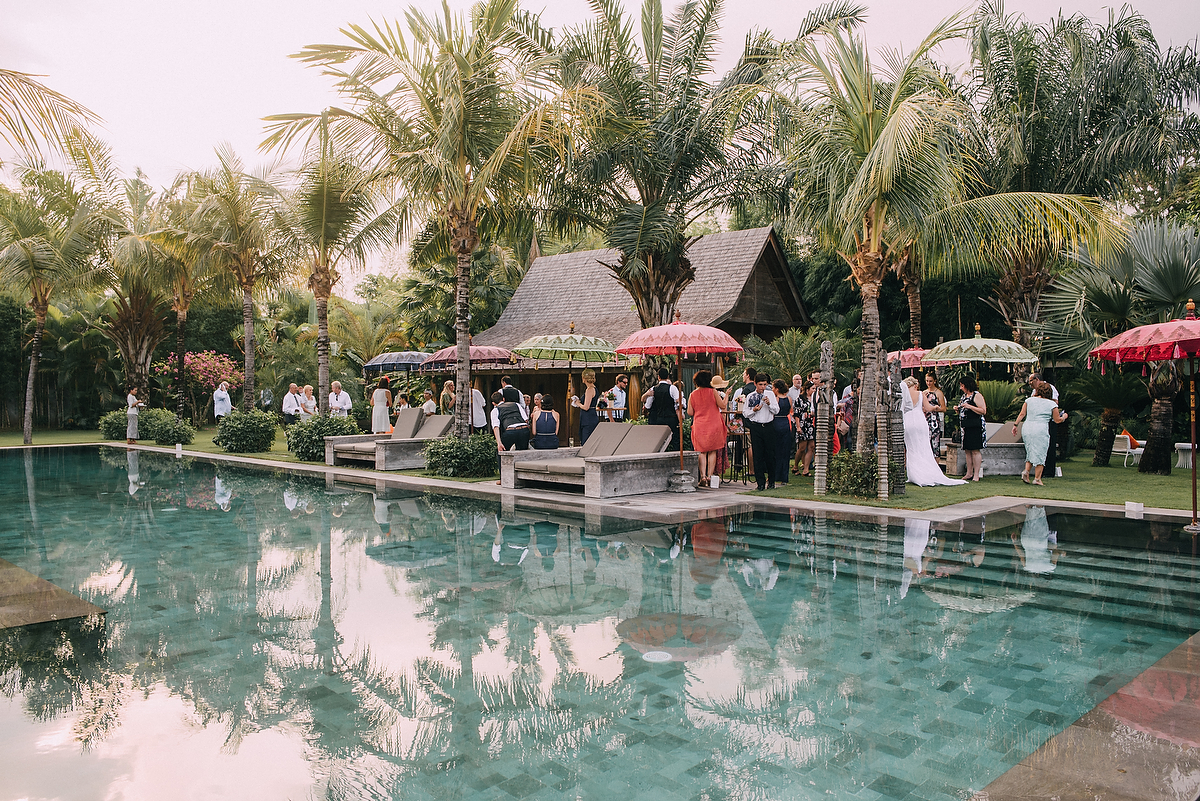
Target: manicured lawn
[13,439]
[1080,482]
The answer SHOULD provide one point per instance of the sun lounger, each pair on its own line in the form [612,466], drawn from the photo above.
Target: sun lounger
[403,449]
[618,459]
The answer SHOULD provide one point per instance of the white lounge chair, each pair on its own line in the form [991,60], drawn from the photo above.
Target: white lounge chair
[1121,445]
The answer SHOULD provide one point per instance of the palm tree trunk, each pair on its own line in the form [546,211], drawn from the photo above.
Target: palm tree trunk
[464,234]
[248,342]
[1157,457]
[323,353]
[866,398]
[35,354]
[913,291]
[180,339]
[1110,419]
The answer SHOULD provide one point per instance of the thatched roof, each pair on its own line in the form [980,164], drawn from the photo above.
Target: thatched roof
[742,280]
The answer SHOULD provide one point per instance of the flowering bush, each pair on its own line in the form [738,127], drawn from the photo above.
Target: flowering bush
[202,372]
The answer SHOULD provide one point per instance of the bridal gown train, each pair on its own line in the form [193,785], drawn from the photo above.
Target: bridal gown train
[923,469]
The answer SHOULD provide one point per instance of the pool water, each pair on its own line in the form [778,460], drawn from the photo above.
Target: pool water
[273,637]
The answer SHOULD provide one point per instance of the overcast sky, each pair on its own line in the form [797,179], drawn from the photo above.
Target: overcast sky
[173,79]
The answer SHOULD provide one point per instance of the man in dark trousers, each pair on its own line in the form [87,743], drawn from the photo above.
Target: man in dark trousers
[662,406]
[760,409]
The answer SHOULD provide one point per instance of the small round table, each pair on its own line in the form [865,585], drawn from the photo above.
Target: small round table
[1184,452]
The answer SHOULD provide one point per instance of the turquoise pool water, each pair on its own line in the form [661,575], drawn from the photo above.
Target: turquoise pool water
[271,637]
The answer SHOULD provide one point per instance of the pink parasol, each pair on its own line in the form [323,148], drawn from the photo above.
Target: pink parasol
[911,358]
[678,339]
[1162,342]
[480,354]
[672,637]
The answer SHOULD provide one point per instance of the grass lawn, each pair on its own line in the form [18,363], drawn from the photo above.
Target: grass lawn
[1080,482]
[204,444]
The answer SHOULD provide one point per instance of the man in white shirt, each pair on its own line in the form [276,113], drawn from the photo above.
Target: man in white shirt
[429,406]
[761,406]
[620,393]
[478,411]
[513,395]
[857,378]
[796,388]
[291,405]
[339,402]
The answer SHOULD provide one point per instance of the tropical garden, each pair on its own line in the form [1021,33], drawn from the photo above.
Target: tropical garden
[1048,191]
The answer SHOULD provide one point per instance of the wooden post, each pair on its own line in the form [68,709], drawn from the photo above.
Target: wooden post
[882,420]
[633,397]
[899,478]
[825,403]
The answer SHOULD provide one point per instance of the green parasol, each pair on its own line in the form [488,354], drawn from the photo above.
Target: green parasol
[979,349]
[570,347]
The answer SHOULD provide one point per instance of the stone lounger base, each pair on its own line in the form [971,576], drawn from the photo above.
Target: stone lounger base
[387,454]
[603,476]
[1003,459]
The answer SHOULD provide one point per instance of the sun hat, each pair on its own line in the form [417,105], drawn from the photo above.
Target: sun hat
[718,382]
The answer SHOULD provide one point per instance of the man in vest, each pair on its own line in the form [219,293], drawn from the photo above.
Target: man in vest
[761,406]
[662,406]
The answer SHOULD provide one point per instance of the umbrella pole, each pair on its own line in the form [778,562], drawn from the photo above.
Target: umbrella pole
[679,412]
[1194,528]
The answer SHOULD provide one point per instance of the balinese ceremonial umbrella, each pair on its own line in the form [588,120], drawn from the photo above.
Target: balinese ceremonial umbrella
[911,359]
[479,354]
[1162,342]
[570,347]
[678,339]
[978,349]
[404,360]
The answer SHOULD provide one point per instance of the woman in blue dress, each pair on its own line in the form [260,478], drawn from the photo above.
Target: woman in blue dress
[545,425]
[589,418]
[1037,412]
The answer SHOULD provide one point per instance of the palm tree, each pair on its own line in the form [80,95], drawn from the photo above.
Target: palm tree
[231,226]
[1149,280]
[1113,393]
[31,112]
[457,115]
[331,217]
[365,331]
[882,173]
[425,302]
[1079,107]
[671,145]
[49,236]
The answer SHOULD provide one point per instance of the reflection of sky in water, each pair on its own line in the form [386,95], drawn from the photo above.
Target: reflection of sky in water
[390,646]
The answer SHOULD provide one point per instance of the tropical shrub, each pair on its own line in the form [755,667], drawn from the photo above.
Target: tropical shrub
[306,439]
[1003,398]
[246,432]
[799,352]
[474,457]
[112,425]
[156,424]
[173,431]
[853,473]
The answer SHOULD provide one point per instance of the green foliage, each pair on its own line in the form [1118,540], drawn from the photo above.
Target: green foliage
[796,351]
[246,432]
[1112,390]
[474,457]
[306,439]
[153,424]
[853,474]
[172,431]
[1003,399]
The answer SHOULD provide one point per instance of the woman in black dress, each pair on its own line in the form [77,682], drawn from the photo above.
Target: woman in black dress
[589,418]
[971,412]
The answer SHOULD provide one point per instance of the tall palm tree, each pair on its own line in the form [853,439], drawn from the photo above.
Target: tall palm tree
[671,144]
[457,115]
[332,216]
[32,113]
[232,226]
[1075,106]
[49,236]
[882,172]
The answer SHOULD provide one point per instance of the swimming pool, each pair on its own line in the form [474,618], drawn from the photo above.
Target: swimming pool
[274,637]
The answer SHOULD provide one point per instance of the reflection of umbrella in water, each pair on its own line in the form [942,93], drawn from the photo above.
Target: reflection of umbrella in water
[411,554]
[672,637]
[1161,703]
[982,601]
[572,604]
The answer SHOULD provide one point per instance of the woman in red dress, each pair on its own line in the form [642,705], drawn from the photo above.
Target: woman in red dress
[708,424]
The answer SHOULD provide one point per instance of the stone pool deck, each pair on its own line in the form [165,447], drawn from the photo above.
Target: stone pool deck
[26,599]
[1142,742]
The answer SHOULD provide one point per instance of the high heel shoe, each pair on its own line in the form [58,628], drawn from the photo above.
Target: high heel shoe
[1025,476]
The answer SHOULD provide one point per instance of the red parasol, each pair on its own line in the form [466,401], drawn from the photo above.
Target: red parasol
[911,358]
[678,339]
[1161,703]
[480,354]
[1162,342]
[671,637]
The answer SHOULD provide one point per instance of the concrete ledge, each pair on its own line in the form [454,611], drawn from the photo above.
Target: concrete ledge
[603,476]
[400,454]
[1003,459]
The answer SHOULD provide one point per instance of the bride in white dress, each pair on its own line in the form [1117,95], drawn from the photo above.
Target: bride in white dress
[922,467]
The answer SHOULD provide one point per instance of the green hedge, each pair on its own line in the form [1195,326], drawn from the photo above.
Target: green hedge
[246,432]
[306,439]
[463,458]
[159,425]
[854,474]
